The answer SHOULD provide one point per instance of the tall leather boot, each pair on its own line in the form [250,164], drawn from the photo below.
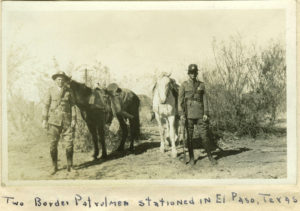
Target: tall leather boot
[53,153]
[206,146]
[69,154]
[190,147]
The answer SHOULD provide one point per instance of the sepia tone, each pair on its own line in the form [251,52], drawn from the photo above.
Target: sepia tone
[241,61]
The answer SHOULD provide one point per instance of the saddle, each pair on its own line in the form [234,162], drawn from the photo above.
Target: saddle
[98,100]
[121,103]
[102,101]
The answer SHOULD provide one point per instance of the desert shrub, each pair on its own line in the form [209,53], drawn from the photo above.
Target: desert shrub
[245,86]
[146,112]
[83,139]
[272,80]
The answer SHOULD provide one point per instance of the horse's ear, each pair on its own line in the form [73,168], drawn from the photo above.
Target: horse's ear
[165,74]
[154,87]
[68,79]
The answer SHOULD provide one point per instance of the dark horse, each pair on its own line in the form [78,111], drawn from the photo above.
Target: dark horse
[125,106]
[96,115]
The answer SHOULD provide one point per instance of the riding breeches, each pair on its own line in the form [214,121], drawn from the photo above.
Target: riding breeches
[202,128]
[66,132]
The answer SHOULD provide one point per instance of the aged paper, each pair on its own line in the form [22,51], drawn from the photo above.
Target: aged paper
[133,45]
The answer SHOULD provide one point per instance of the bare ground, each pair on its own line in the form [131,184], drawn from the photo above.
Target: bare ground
[242,158]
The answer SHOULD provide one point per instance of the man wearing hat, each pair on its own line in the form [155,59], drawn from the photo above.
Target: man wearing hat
[193,110]
[59,117]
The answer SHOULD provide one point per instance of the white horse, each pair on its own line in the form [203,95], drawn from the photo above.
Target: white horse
[164,107]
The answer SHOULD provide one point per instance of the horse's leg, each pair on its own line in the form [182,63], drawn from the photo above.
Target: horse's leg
[176,128]
[101,134]
[133,133]
[171,120]
[167,133]
[124,133]
[161,132]
[93,131]
[134,124]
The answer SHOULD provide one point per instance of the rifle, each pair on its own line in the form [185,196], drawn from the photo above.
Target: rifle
[183,123]
[183,136]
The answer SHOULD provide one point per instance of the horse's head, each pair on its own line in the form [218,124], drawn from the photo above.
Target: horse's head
[68,81]
[80,91]
[163,85]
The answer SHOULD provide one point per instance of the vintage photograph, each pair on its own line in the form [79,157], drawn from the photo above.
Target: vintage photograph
[144,93]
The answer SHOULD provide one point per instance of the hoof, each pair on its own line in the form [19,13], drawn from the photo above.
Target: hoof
[131,149]
[120,149]
[162,149]
[174,154]
[167,143]
[191,162]
[103,157]
[53,172]
[213,162]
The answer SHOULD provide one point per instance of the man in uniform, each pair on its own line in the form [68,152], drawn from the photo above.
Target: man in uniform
[59,117]
[193,110]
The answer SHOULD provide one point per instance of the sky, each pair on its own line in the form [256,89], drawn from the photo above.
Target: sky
[136,42]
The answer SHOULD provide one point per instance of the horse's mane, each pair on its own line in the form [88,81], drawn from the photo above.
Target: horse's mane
[163,74]
[174,87]
[153,89]
[81,88]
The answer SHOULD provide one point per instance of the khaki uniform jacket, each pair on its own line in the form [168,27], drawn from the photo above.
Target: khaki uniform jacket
[59,106]
[192,99]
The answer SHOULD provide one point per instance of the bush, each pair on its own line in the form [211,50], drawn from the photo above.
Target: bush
[245,86]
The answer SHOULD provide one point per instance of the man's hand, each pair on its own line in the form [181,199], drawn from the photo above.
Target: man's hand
[205,118]
[182,118]
[73,123]
[45,124]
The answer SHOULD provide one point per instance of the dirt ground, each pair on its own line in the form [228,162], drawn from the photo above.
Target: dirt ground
[242,158]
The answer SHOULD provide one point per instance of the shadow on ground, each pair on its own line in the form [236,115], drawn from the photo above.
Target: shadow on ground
[226,153]
[219,154]
[116,154]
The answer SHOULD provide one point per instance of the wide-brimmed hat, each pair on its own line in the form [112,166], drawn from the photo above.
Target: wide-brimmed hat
[193,68]
[61,74]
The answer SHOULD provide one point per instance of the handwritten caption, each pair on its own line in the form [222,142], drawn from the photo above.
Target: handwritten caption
[89,202]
